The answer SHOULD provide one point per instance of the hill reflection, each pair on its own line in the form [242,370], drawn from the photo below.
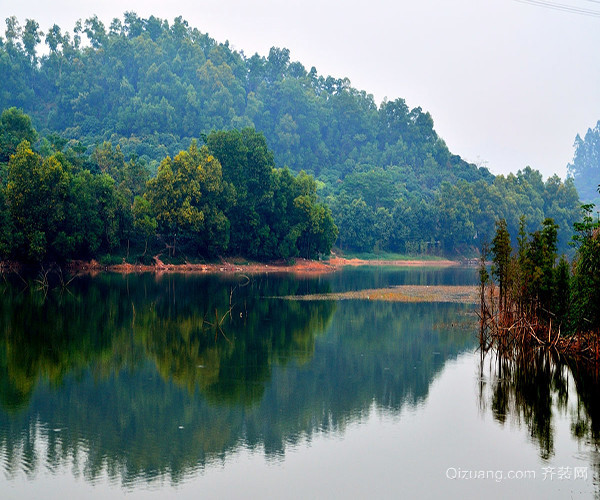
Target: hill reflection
[141,377]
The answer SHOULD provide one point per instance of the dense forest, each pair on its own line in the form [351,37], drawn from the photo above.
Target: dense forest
[223,197]
[124,102]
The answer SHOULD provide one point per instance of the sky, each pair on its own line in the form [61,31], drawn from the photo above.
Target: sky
[509,83]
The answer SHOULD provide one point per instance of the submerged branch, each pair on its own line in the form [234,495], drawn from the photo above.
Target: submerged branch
[511,331]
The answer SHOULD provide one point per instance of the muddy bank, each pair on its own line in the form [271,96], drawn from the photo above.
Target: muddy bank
[403,293]
[225,266]
[233,266]
[340,262]
[298,266]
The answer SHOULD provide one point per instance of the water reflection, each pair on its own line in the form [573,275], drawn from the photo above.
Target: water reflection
[140,377]
[535,389]
[365,277]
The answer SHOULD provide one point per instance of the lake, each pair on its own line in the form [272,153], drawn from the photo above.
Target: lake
[144,386]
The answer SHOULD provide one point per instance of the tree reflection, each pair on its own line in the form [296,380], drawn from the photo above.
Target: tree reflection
[109,323]
[131,377]
[532,387]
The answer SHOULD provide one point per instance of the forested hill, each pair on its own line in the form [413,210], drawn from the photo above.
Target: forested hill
[150,86]
[585,168]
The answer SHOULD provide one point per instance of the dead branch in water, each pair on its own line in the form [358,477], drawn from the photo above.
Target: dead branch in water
[513,330]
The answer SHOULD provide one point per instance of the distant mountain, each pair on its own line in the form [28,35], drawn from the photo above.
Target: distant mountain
[585,168]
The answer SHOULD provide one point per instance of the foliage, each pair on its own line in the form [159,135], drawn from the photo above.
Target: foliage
[586,279]
[541,290]
[248,166]
[144,222]
[69,205]
[36,197]
[585,168]
[501,250]
[15,127]
[142,89]
[185,197]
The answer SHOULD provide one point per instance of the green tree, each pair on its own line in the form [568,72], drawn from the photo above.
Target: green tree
[112,210]
[185,197]
[585,167]
[586,276]
[321,233]
[357,222]
[501,257]
[86,222]
[31,38]
[108,160]
[36,192]
[143,222]
[7,230]
[540,262]
[317,231]
[456,204]
[247,165]
[15,127]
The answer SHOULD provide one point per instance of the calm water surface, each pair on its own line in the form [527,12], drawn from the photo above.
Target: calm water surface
[190,386]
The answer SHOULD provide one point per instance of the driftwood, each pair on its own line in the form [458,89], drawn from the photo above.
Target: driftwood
[510,330]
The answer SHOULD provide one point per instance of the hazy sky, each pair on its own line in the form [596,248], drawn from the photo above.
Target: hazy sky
[508,83]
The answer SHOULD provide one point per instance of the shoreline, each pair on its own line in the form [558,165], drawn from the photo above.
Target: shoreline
[343,262]
[299,266]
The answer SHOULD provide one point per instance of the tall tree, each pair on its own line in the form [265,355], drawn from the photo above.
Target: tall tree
[248,166]
[585,167]
[501,257]
[36,192]
[15,127]
[31,38]
[185,198]
[586,280]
